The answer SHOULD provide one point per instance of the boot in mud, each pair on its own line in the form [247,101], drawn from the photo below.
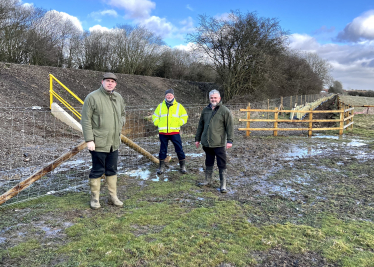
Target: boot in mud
[182,164]
[112,188]
[161,168]
[208,177]
[222,180]
[95,193]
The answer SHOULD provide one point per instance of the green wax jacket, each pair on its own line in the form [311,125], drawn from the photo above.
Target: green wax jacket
[215,127]
[103,116]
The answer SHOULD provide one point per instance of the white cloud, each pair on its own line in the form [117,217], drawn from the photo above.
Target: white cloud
[28,5]
[223,17]
[64,17]
[187,25]
[98,15]
[99,28]
[188,47]
[361,28]
[188,7]
[353,64]
[158,25]
[135,9]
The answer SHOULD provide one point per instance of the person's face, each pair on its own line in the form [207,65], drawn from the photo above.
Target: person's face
[214,99]
[109,84]
[169,97]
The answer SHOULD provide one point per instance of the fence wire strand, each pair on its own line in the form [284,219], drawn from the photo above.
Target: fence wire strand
[32,137]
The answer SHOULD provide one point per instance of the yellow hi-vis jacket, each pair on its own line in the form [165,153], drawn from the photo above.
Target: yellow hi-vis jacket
[170,119]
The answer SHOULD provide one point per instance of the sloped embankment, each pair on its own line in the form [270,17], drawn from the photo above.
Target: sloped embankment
[28,85]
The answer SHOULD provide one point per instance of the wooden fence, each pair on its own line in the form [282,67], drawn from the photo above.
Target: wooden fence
[345,120]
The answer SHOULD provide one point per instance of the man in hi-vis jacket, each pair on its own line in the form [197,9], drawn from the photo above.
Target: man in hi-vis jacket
[103,116]
[215,132]
[169,116]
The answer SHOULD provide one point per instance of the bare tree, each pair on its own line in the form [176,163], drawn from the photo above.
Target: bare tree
[240,48]
[336,88]
[16,21]
[136,49]
[320,67]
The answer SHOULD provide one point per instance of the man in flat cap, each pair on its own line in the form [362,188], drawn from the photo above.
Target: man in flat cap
[103,116]
[169,116]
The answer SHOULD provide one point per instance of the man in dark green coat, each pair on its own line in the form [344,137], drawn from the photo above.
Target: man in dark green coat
[103,116]
[215,132]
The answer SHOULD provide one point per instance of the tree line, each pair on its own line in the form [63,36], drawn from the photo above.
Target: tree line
[244,53]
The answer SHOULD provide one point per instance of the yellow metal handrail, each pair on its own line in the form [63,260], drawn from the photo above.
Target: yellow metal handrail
[63,101]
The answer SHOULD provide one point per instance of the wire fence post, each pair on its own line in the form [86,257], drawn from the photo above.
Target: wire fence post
[275,122]
[248,118]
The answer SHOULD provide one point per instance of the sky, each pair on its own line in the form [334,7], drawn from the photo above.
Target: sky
[339,31]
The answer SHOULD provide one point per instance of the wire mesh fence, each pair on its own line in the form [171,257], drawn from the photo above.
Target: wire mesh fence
[32,137]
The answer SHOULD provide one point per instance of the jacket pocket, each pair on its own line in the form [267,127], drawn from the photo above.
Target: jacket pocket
[101,138]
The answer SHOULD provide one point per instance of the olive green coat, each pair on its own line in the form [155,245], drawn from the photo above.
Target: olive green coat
[213,131]
[103,116]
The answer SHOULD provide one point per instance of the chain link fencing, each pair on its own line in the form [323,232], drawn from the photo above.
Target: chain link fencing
[31,138]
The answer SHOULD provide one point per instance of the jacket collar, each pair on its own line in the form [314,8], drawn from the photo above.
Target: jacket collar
[218,105]
[174,102]
[105,92]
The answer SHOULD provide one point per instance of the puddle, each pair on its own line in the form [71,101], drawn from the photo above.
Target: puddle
[50,232]
[327,136]
[139,173]
[194,155]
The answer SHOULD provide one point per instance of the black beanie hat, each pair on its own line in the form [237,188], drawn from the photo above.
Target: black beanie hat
[169,91]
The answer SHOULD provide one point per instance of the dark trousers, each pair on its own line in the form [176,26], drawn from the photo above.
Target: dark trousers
[103,162]
[212,152]
[177,142]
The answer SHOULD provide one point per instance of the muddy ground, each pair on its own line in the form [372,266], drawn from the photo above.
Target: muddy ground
[286,179]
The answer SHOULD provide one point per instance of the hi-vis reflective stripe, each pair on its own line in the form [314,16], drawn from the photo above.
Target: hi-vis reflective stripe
[185,115]
[162,128]
[175,128]
[183,121]
[160,109]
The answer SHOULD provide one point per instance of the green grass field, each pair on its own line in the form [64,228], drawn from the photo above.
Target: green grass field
[328,221]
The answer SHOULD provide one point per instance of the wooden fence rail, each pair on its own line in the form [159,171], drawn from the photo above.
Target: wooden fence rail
[345,115]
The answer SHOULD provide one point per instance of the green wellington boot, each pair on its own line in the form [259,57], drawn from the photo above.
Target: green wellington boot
[95,193]
[222,180]
[112,188]
[208,176]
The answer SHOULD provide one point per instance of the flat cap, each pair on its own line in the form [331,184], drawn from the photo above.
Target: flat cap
[169,91]
[110,75]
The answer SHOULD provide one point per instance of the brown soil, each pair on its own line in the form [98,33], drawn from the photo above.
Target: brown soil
[28,85]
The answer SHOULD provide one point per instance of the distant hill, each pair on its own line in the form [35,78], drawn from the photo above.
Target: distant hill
[28,85]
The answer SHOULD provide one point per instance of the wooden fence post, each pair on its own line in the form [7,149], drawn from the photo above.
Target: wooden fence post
[310,123]
[281,105]
[276,122]
[341,120]
[352,114]
[248,117]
